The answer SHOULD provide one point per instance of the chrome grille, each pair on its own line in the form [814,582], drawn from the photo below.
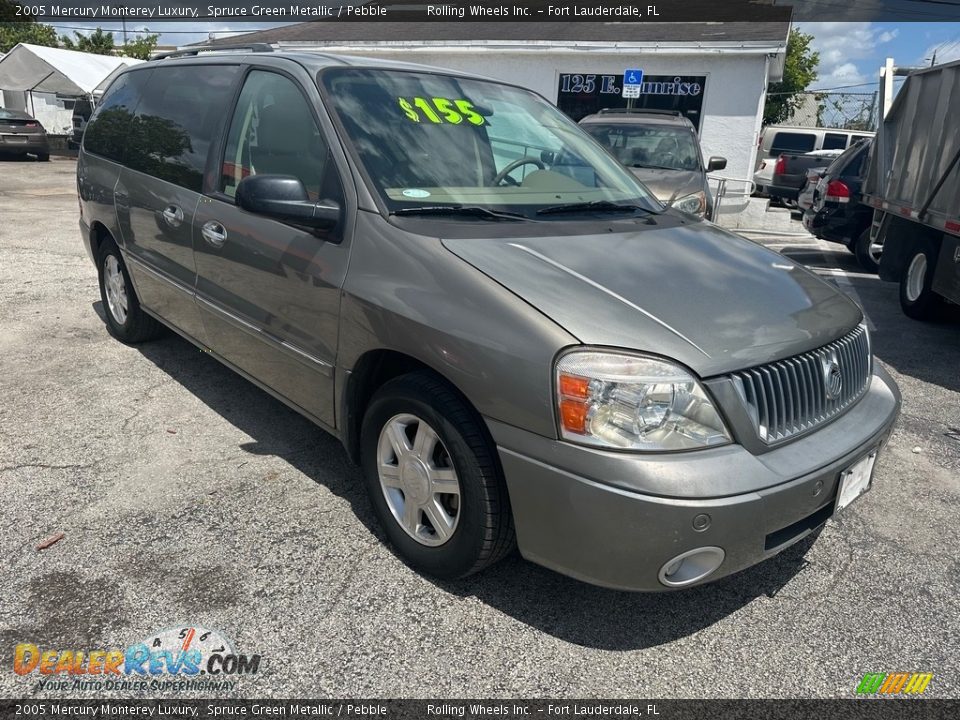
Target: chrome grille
[790,396]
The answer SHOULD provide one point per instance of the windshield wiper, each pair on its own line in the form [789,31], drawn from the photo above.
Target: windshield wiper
[593,206]
[645,166]
[468,210]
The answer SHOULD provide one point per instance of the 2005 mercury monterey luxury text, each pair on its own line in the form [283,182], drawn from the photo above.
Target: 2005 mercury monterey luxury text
[505,328]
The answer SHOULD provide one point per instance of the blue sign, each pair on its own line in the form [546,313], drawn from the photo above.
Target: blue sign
[633,77]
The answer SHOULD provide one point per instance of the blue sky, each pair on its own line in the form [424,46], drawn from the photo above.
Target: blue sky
[851,53]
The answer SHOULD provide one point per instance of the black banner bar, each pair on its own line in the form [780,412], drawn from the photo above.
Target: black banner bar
[863,709]
[291,11]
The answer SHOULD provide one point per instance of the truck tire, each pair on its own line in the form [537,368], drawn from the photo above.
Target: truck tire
[917,298]
[868,258]
[433,477]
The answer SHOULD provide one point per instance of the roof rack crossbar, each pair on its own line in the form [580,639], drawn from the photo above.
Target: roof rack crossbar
[251,47]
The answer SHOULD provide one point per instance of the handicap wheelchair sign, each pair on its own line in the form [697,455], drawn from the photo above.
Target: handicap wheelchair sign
[633,77]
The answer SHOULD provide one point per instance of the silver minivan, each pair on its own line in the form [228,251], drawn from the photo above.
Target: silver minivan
[519,351]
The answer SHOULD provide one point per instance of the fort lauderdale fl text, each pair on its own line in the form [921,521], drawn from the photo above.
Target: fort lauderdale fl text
[162,10]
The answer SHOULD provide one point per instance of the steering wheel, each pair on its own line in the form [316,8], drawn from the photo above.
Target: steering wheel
[520,162]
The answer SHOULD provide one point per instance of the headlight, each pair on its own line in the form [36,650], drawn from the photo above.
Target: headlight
[630,402]
[695,204]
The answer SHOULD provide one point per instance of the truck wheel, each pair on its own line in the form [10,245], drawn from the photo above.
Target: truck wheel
[433,478]
[126,321]
[868,254]
[916,296]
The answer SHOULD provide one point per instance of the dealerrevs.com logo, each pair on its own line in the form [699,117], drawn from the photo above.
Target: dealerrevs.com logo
[178,659]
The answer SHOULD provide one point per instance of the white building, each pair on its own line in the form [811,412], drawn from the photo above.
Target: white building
[716,73]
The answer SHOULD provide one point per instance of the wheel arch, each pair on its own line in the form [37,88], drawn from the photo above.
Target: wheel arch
[369,373]
[900,236]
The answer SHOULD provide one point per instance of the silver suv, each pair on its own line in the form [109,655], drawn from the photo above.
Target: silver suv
[518,348]
[661,148]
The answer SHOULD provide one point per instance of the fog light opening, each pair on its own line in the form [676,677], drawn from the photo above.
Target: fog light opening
[691,566]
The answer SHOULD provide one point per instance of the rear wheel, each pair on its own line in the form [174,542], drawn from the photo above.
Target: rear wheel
[867,252]
[126,320]
[917,298]
[433,478]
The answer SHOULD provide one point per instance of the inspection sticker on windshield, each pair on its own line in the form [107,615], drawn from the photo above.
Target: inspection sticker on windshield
[416,193]
[440,110]
[855,481]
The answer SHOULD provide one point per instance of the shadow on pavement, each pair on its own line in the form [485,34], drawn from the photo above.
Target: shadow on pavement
[565,608]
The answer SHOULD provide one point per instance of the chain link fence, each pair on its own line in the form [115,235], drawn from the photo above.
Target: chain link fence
[847,110]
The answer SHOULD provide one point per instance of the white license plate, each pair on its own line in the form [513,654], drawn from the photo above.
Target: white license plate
[856,481]
[14,139]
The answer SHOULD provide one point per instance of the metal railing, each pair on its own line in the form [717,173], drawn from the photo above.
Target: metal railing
[722,192]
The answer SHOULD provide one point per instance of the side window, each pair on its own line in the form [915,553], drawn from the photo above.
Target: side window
[176,120]
[792,142]
[107,129]
[835,141]
[274,132]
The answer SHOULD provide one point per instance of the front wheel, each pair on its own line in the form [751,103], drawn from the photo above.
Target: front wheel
[867,252]
[917,297]
[433,478]
[126,320]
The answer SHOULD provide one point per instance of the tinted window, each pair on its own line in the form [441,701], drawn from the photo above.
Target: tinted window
[273,131]
[177,118]
[792,142]
[835,141]
[107,130]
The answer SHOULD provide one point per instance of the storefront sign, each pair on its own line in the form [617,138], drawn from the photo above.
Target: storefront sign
[582,94]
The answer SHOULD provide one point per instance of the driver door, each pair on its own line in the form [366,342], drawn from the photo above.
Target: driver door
[270,291]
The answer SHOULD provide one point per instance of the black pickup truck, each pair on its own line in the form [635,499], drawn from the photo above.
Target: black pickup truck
[790,173]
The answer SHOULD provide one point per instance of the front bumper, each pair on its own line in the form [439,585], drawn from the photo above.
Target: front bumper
[579,511]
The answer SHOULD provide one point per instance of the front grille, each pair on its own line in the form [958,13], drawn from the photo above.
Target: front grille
[790,396]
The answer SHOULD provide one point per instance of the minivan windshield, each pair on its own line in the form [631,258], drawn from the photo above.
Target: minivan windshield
[664,147]
[436,141]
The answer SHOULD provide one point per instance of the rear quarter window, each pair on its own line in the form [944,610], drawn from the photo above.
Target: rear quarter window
[793,142]
[108,128]
[181,111]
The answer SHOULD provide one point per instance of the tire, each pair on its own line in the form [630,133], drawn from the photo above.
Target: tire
[861,248]
[43,157]
[130,324]
[917,299]
[482,523]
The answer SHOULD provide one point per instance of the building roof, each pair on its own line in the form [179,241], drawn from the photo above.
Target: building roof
[344,32]
[54,70]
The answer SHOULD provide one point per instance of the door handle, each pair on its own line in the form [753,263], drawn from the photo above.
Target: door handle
[214,233]
[173,215]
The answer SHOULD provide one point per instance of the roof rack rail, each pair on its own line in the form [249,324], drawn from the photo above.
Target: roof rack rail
[651,111]
[251,47]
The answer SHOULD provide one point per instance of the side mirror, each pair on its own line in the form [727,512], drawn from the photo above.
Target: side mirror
[284,198]
[716,163]
[548,157]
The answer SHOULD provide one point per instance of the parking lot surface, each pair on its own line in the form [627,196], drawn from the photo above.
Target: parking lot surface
[188,497]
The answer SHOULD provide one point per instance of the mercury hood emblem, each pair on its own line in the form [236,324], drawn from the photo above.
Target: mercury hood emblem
[832,377]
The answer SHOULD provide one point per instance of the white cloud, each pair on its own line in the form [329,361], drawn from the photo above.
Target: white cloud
[841,45]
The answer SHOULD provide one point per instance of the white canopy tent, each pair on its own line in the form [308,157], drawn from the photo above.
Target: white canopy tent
[48,75]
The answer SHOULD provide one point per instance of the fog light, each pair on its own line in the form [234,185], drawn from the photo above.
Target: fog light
[691,566]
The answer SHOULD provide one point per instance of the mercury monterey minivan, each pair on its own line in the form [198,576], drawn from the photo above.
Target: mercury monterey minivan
[516,341]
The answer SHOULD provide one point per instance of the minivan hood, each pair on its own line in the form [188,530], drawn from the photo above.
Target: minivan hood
[663,183]
[695,293]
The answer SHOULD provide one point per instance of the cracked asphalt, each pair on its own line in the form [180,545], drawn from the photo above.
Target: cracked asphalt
[189,497]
